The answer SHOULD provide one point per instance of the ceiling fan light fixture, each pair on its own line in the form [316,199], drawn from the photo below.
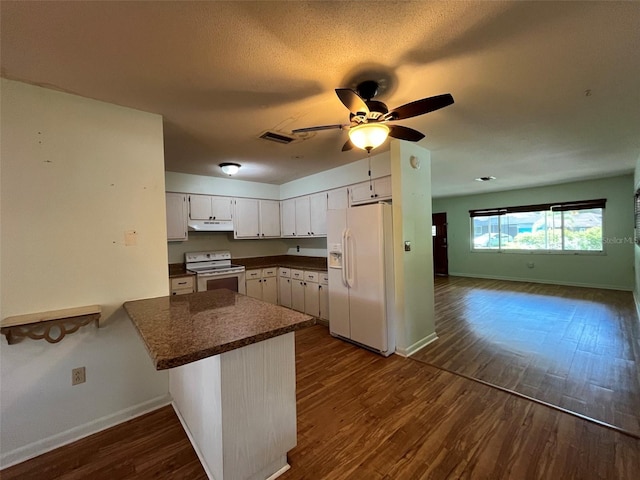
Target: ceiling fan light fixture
[368,136]
[230,168]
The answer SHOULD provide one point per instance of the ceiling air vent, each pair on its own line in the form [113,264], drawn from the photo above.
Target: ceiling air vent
[277,137]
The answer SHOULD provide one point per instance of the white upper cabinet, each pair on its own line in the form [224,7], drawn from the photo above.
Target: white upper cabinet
[304,216]
[209,207]
[176,217]
[269,218]
[338,198]
[370,192]
[303,220]
[288,217]
[257,218]
[318,214]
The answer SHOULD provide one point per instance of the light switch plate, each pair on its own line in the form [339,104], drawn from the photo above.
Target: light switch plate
[407,246]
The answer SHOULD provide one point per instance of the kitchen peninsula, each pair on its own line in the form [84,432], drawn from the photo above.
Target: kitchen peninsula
[232,376]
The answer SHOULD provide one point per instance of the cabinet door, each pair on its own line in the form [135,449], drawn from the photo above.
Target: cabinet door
[200,207]
[361,193]
[221,208]
[270,290]
[382,188]
[254,288]
[247,220]
[288,216]
[176,217]
[269,218]
[297,295]
[318,214]
[284,291]
[323,291]
[311,299]
[303,219]
[338,198]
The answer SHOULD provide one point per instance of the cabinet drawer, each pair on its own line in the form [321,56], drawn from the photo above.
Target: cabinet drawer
[253,274]
[284,272]
[182,283]
[268,272]
[297,274]
[324,278]
[311,277]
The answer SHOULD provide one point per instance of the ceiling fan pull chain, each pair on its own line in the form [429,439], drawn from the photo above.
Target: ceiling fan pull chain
[369,157]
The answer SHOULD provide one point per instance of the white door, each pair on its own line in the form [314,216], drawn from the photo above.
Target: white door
[311,299]
[318,214]
[361,193]
[247,221]
[200,207]
[303,219]
[176,216]
[270,290]
[338,292]
[269,218]
[324,301]
[365,259]
[284,290]
[297,295]
[254,288]
[382,187]
[288,214]
[221,208]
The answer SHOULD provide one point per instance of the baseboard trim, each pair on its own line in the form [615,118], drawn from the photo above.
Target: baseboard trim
[193,443]
[538,280]
[19,455]
[419,345]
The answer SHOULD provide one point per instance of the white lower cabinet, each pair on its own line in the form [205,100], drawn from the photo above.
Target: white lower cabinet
[297,290]
[262,284]
[182,285]
[311,294]
[284,287]
[323,289]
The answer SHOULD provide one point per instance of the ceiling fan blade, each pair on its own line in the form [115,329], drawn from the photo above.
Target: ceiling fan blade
[405,133]
[419,107]
[319,127]
[352,101]
[347,146]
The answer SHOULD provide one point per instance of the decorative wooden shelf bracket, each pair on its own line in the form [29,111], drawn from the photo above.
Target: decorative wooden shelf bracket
[51,326]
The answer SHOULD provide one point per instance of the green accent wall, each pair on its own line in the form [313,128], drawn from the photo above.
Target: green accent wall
[614,269]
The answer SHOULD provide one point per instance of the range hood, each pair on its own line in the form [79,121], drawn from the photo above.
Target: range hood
[210,225]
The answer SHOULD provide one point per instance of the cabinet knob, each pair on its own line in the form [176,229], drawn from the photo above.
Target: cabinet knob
[263,234]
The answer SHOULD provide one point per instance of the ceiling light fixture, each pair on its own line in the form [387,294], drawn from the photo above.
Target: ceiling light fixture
[368,136]
[230,168]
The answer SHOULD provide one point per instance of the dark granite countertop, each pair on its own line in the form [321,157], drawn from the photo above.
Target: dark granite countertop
[178,270]
[288,261]
[181,329]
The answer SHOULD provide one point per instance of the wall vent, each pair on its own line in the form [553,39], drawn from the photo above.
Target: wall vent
[277,137]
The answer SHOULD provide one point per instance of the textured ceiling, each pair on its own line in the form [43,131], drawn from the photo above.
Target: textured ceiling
[222,73]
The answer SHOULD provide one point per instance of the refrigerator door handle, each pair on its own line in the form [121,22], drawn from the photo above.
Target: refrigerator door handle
[349,261]
[344,257]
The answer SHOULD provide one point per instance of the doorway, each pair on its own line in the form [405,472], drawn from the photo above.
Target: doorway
[439,235]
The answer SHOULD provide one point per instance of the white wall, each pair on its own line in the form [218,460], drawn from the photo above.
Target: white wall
[76,175]
[414,287]
[613,269]
[351,173]
[187,183]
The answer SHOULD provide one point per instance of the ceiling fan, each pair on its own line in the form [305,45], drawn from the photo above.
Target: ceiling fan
[368,127]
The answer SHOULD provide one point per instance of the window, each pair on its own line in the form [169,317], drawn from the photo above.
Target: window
[568,226]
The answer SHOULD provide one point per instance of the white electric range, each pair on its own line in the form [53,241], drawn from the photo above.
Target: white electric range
[214,270]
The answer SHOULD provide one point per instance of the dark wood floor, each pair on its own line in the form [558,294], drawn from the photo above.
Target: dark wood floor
[363,416]
[577,348]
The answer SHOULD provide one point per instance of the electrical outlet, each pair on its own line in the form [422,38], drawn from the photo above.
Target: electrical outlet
[78,375]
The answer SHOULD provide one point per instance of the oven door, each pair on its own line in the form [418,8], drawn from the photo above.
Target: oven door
[211,281]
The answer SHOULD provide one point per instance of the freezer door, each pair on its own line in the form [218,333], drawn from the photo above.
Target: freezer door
[364,255]
[338,291]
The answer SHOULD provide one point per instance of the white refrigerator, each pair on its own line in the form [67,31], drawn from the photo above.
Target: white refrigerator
[361,282]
